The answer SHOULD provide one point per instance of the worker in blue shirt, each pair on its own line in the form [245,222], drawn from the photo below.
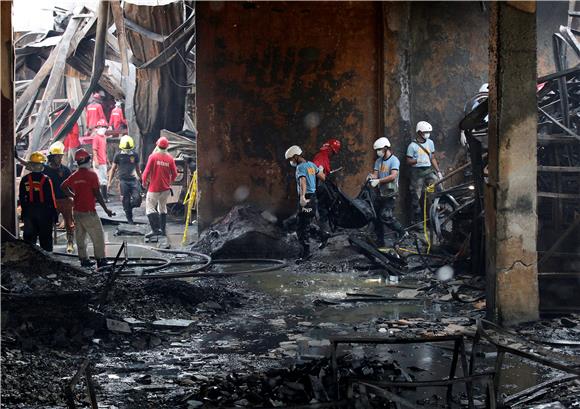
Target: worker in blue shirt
[306,175]
[385,178]
[424,167]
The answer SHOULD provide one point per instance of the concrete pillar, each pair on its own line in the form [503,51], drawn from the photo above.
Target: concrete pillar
[510,197]
[8,192]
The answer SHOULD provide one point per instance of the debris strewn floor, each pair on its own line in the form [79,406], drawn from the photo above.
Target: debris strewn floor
[260,340]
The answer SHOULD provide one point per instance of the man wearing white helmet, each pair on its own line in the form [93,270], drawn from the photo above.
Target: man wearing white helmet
[424,167]
[306,174]
[385,178]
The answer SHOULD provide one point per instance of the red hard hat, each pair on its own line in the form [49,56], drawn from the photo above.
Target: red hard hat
[332,144]
[82,156]
[162,142]
[102,122]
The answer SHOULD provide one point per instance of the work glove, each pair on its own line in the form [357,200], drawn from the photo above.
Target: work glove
[374,182]
[369,177]
[463,138]
[303,201]
[321,168]
[440,175]
[110,213]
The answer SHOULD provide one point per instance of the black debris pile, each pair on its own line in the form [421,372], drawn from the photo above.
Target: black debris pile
[247,232]
[298,384]
[34,379]
[151,299]
[27,269]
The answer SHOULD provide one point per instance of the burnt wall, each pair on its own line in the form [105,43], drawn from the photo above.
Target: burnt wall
[448,64]
[274,74]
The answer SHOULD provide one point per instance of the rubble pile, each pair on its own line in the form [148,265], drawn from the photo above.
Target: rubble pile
[247,232]
[299,384]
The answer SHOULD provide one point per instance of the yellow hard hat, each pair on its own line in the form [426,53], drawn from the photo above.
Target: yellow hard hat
[37,157]
[126,142]
[56,148]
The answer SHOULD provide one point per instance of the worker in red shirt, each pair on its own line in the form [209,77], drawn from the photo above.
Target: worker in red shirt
[117,118]
[83,187]
[322,161]
[36,197]
[100,155]
[71,142]
[158,175]
[94,112]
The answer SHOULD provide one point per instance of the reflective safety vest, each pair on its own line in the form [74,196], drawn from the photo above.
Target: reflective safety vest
[36,186]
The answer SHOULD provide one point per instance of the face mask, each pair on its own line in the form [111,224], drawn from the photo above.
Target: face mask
[426,135]
[101,131]
[380,153]
[293,163]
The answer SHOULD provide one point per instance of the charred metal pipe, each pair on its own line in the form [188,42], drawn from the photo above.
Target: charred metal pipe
[98,67]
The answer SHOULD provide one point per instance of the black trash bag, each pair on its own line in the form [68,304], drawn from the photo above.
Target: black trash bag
[352,213]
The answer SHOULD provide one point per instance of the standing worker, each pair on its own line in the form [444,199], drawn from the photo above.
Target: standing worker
[36,196]
[127,161]
[323,194]
[100,156]
[71,144]
[83,187]
[306,175]
[58,173]
[94,112]
[385,177]
[424,167]
[117,119]
[158,175]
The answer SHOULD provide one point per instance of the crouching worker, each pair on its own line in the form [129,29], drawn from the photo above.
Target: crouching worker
[323,193]
[83,187]
[36,195]
[58,173]
[385,177]
[159,174]
[306,174]
[127,161]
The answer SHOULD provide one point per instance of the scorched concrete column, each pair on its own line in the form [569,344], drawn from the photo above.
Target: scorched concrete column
[510,202]
[8,195]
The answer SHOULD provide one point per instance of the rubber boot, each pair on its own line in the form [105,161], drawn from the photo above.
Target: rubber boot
[102,262]
[70,247]
[304,253]
[129,214]
[154,222]
[324,235]
[104,193]
[162,223]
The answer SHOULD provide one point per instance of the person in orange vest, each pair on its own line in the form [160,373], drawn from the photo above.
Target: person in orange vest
[36,197]
[94,112]
[117,118]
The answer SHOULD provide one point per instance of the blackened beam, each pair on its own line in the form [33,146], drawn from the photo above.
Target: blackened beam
[40,77]
[60,53]
[98,66]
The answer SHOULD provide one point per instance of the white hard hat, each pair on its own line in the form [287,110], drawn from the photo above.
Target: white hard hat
[484,88]
[381,143]
[293,150]
[423,126]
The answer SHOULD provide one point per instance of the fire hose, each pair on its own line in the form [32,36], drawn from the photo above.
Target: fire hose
[150,267]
